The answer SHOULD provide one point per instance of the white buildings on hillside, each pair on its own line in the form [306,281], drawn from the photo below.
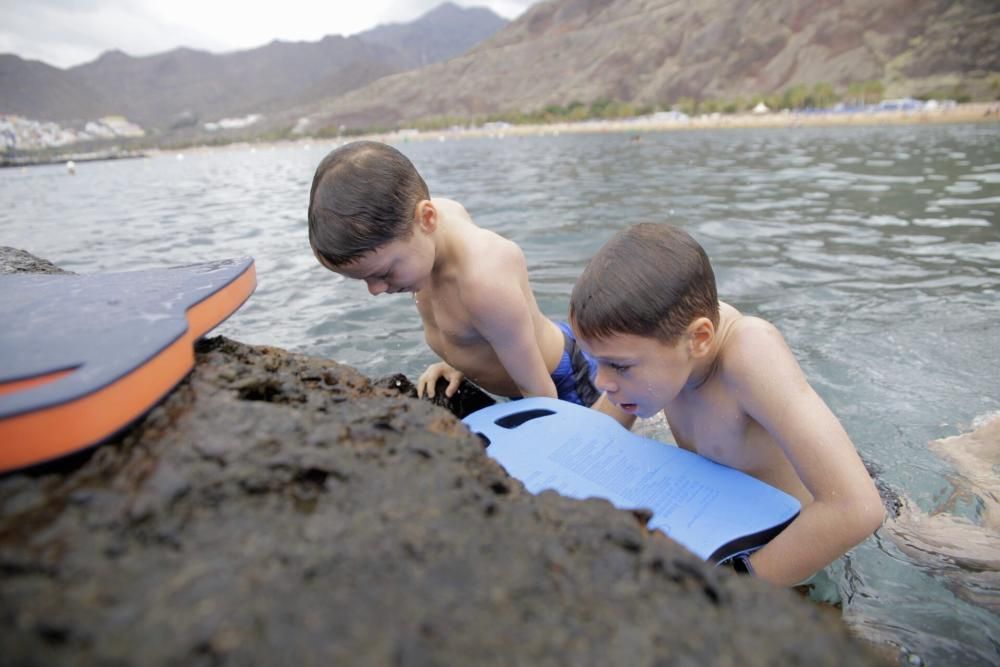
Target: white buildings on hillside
[17,133]
[233,123]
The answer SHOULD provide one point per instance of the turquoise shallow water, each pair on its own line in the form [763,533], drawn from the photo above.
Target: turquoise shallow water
[876,251]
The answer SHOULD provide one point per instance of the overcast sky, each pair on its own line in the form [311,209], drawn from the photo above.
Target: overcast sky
[70,32]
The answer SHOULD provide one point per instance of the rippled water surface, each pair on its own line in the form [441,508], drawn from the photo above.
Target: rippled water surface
[876,251]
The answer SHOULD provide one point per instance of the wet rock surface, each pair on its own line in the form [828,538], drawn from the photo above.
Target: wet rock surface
[281,509]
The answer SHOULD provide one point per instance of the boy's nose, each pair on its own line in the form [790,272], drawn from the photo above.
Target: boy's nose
[602,381]
[376,287]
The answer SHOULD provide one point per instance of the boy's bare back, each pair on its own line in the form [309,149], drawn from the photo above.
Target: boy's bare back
[478,310]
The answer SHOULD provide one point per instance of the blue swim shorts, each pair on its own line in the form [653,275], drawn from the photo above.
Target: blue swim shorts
[575,373]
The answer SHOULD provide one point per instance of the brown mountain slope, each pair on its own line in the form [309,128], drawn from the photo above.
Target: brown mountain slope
[657,51]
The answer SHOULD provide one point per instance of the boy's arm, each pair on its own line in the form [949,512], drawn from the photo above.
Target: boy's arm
[501,315]
[846,509]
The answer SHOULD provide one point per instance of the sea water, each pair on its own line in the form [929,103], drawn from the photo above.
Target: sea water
[875,250]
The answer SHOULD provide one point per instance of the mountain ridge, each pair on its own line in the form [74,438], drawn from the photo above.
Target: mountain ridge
[655,52]
[559,53]
[184,86]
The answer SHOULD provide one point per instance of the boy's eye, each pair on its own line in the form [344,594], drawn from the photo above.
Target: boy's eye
[618,368]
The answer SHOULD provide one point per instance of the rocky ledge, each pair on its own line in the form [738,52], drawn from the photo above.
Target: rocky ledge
[282,509]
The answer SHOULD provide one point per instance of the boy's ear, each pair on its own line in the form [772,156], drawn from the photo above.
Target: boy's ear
[426,215]
[701,334]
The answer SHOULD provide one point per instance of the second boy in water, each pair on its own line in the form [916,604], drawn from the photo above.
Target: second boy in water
[646,307]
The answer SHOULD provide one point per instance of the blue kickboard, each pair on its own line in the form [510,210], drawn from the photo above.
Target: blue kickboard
[715,511]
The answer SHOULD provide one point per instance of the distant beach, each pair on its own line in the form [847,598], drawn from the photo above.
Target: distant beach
[68,158]
[975,112]
[960,113]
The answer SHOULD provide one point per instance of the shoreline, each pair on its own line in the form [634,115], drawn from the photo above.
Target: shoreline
[975,112]
[62,158]
[978,112]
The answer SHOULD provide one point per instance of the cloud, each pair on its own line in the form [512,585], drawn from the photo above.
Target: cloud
[509,9]
[66,33]
[69,32]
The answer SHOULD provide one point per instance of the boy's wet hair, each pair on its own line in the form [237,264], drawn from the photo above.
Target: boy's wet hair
[649,280]
[364,195]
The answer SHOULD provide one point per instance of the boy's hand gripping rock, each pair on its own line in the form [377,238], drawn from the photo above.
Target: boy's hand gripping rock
[427,382]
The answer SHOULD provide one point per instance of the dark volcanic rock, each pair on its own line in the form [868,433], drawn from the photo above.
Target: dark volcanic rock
[280,509]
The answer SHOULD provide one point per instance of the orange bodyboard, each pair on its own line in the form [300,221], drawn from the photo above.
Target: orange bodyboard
[84,356]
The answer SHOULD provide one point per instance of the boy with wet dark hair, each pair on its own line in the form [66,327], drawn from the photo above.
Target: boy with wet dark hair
[363,196]
[646,308]
[371,218]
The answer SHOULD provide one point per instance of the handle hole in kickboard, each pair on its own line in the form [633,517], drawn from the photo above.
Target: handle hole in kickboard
[518,418]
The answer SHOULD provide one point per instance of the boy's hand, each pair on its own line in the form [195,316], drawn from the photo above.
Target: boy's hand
[427,382]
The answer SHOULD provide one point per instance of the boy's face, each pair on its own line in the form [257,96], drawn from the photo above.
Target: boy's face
[403,265]
[640,375]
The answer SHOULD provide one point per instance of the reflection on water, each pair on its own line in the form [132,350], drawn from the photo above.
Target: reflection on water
[876,251]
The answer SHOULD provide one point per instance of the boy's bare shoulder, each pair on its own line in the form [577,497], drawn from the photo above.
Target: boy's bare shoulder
[757,364]
[747,329]
[492,266]
[750,342]
[489,253]
[450,208]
